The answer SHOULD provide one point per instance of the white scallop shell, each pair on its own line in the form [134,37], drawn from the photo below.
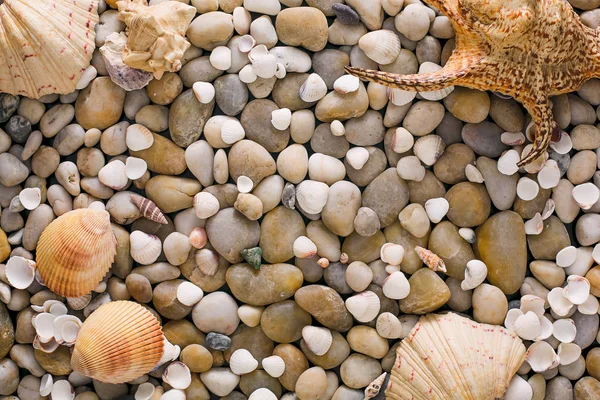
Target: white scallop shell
[382,46]
[317,339]
[541,357]
[402,140]
[396,286]
[170,353]
[429,148]
[204,92]
[364,306]
[473,174]
[189,294]
[207,261]
[564,144]
[114,175]
[242,362]
[475,273]
[246,43]
[244,184]
[66,328]
[512,138]
[220,58]
[265,66]
[281,118]
[586,195]
[145,248]
[357,157]
[400,97]
[566,256]
[527,326]
[30,198]
[178,375]
[79,303]
[232,131]
[44,326]
[304,247]
[589,307]
[313,89]
[173,394]
[436,209]
[20,272]
[257,52]
[312,196]
[135,168]
[205,205]
[274,366]
[138,137]
[559,304]
[388,326]
[346,84]
[391,253]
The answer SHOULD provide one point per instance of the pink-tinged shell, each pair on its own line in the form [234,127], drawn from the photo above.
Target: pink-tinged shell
[198,238]
[148,209]
[430,259]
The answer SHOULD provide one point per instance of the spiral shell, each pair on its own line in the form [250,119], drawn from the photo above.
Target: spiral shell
[148,209]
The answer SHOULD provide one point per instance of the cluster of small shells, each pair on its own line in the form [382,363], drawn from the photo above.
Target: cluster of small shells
[285,223]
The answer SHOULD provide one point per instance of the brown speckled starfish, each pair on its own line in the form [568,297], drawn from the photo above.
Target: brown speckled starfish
[527,49]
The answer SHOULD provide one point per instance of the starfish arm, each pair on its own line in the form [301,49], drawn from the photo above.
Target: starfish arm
[541,114]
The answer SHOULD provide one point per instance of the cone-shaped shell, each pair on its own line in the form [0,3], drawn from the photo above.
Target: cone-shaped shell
[118,342]
[451,357]
[45,45]
[75,251]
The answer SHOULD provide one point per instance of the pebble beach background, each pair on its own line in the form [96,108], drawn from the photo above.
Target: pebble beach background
[261,146]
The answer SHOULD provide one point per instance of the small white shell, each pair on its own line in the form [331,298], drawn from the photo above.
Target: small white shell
[313,89]
[388,326]
[564,144]
[114,175]
[30,198]
[220,58]
[242,362]
[46,385]
[541,357]
[246,43]
[312,196]
[400,97]
[589,307]
[144,391]
[135,168]
[265,66]
[204,92]
[586,195]
[382,46]
[548,209]
[568,353]
[547,329]
[437,209]
[429,149]
[138,137]
[533,303]
[475,273]
[364,306]
[274,366]
[281,118]
[244,184]
[171,352]
[518,389]
[402,140]
[527,189]
[46,347]
[66,328]
[304,247]
[357,157]
[527,326]
[145,248]
[189,294]
[566,256]
[577,290]
[468,234]
[247,74]
[262,394]
[205,205]
[512,138]
[317,339]
[396,286]
[337,128]
[257,52]
[391,253]
[346,84]
[549,175]
[507,163]
[178,375]
[433,95]
[44,326]
[232,131]
[535,225]
[280,72]
[20,272]
[564,330]
[559,304]
[62,390]
[250,315]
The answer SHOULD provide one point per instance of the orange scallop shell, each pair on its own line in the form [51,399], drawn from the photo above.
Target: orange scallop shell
[76,251]
[118,342]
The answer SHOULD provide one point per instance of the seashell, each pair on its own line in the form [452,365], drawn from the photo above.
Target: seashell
[436,209]
[541,357]
[535,225]
[559,304]
[262,394]
[145,248]
[388,326]
[46,385]
[429,149]
[205,205]
[246,43]
[344,258]
[118,342]
[518,388]
[274,366]
[148,209]
[337,128]
[220,58]
[512,138]
[312,196]
[20,272]
[549,175]
[566,256]
[242,362]
[364,306]
[173,394]
[434,95]
[144,391]
[304,247]
[402,141]
[207,261]
[53,307]
[451,340]
[265,66]
[178,375]
[375,387]
[30,198]
[54,42]
[536,165]
[120,73]
[257,52]
[47,347]
[198,238]
[75,251]
[409,168]
[548,209]
[189,294]
[204,92]
[155,35]
[568,353]
[253,256]
[323,262]
[357,157]
[468,234]
[280,72]
[250,315]
[66,329]
[232,131]
[400,97]
[527,189]
[135,168]
[392,253]
[346,84]
[79,303]
[507,163]
[170,353]
[527,326]
[44,326]
[313,89]
[396,286]
[244,184]
[564,330]
[382,46]
[247,74]
[281,118]
[577,290]
[138,137]
[430,259]
[586,195]
[62,390]
[317,339]
[475,274]
[589,307]
[564,144]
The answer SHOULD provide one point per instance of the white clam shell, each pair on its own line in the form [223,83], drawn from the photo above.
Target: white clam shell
[475,273]
[568,353]
[204,92]
[437,209]
[205,205]
[144,391]
[62,390]
[382,46]
[312,196]
[396,286]
[244,184]
[250,315]
[138,137]
[511,317]
[262,394]
[274,366]
[566,256]
[527,326]
[135,168]
[535,225]
[433,95]
[265,66]
[429,148]
[280,72]
[577,290]
[547,328]
[549,208]
[313,89]
[145,248]
[317,339]
[357,157]
[337,128]
[402,141]
[391,253]
[189,294]
[178,375]
[257,52]
[527,189]
[46,385]
[114,175]
[586,195]
[564,144]
[564,330]
[541,357]
[170,353]
[30,198]
[247,74]
[242,362]
[20,272]
[549,175]
[400,97]
[304,247]
[507,163]
[468,234]
[364,306]
[346,84]
[220,58]
[281,118]
[558,302]
[207,261]
[589,307]
[232,131]
[388,326]
[44,326]
[66,328]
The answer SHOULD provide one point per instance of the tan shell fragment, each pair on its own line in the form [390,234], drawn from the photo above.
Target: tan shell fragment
[45,45]
[155,34]
[120,73]
[449,357]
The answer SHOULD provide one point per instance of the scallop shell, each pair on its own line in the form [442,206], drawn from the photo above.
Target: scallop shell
[155,34]
[313,89]
[62,390]
[265,66]
[382,46]
[242,362]
[120,73]
[207,261]
[45,45]
[244,184]
[396,286]
[138,137]
[198,238]
[118,342]
[430,259]
[144,391]
[75,251]
[541,357]
[148,209]
[400,97]
[451,357]
[205,205]
[304,247]
[247,74]
[364,306]
[281,118]
[429,149]
[232,131]
[312,196]
[317,339]
[274,366]
[79,303]
[189,294]
[145,248]
[46,385]
[586,195]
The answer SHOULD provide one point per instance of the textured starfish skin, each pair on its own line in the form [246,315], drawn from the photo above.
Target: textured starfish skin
[527,49]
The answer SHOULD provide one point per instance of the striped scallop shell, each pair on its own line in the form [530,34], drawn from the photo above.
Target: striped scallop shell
[76,251]
[118,342]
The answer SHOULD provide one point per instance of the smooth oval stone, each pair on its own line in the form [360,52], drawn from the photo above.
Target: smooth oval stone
[100,104]
[216,312]
[428,292]
[295,364]
[172,193]
[197,358]
[283,321]
[342,205]
[7,332]
[502,246]
[323,141]
[267,285]
[163,157]
[365,340]
[374,166]
[256,120]
[183,333]
[56,363]
[528,209]
[429,188]
[187,117]
[366,130]
[387,195]
[484,138]
[279,229]
[553,239]
[337,353]
[328,244]
[358,370]
[250,159]
[342,106]
[165,299]
[259,379]
[231,94]
[8,105]
[559,388]
[450,168]
[230,232]
[361,248]
[252,339]
[489,304]
[587,328]
[548,273]
[587,388]
[335,277]
[326,305]
[470,204]
[445,241]
[395,233]
[501,188]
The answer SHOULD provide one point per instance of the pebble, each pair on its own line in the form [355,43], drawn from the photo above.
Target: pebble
[216,312]
[100,104]
[9,379]
[428,292]
[302,26]
[484,138]
[272,282]
[489,304]
[250,159]
[450,167]
[230,232]
[295,364]
[587,388]
[470,204]
[586,327]
[172,193]
[378,193]
[211,30]
[559,388]
[163,157]
[231,94]
[325,305]
[323,141]
[286,92]
[446,242]
[7,332]
[56,363]
[8,106]
[337,106]
[365,340]
[582,167]
[358,371]
[311,384]
[153,117]
[366,130]
[18,128]
[217,341]
[12,170]
[187,116]
[283,321]
[585,137]
[279,229]
[501,188]
[554,237]
[256,120]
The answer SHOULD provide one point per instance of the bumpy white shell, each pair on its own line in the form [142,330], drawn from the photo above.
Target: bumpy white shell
[396,286]
[232,131]
[145,248]
[138,137]
[312,196]
[242,362]
[429,148]
[274,366]
[313,89]
[114,175]
[205,205]
[317,339]
[382,46]
[364,306]
[189,294]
